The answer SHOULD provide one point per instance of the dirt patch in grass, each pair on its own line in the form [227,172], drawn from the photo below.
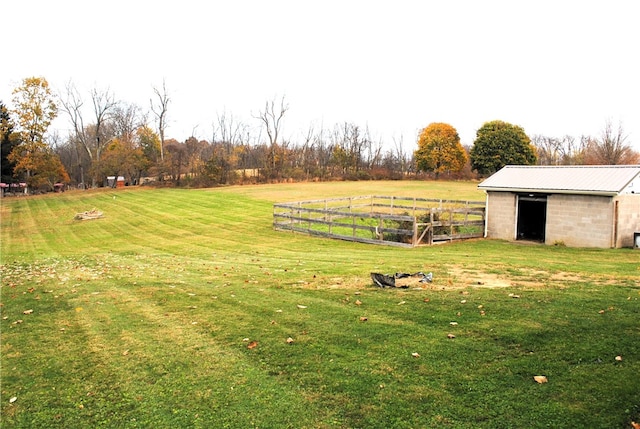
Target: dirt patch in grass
[460,277]
[455,278]
[464,277]
[565,277]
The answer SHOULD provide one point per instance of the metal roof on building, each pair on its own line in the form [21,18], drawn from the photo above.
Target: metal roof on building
[565,179]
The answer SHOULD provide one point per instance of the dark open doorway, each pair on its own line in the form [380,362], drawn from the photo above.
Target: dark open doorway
[532,217]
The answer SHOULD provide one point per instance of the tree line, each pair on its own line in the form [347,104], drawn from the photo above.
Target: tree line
[124,140]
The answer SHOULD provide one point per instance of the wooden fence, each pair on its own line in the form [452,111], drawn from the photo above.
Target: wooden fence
[396,221]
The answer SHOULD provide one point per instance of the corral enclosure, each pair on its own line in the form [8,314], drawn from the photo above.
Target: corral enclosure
[389,220]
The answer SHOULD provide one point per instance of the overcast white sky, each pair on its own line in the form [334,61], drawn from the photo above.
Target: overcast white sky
[553,67]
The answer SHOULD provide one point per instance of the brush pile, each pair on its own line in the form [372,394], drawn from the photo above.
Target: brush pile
[91,214]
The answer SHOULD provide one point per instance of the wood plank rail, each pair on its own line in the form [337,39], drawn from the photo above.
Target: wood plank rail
[395,221]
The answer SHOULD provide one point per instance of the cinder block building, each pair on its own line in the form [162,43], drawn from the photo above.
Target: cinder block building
[579,206]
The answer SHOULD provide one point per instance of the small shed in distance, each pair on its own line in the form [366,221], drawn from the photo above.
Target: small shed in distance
[579,206]
[115,182]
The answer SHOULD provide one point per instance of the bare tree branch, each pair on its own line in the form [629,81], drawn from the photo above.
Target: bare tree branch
[160,112]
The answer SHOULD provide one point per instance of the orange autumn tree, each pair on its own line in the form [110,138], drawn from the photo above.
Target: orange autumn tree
[439,149]
[34,160]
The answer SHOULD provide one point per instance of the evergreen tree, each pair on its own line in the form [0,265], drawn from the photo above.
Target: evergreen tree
[8,140]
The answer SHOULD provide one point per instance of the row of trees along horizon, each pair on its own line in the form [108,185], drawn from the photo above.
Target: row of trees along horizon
[121,139]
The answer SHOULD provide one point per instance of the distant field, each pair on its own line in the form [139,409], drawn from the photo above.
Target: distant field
[184,308]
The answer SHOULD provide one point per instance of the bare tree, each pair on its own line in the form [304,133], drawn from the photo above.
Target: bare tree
[103,104]
[611,148]
[226,129]
[271,118]
[559,151]
[160,112]
[72,104]
[400,155]
[95,137]
[307,159]
[126,121]
[373,150]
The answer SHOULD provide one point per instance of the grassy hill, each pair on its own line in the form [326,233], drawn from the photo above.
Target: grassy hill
[184,308]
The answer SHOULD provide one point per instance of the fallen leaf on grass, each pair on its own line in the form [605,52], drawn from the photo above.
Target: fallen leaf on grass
[451,336]
[13,399]
[453,323]
[402,302]
[126,352]
[27,312]
[358,302]
[513,295]
[252,345]
[540,379]
[415,355]
[289,340]
[301,306]
[363,319]
[601,312]
[619,358]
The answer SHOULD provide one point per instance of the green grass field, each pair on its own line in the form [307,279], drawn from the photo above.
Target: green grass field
[185,309]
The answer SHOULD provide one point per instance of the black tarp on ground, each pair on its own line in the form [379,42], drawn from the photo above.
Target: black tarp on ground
[388,280]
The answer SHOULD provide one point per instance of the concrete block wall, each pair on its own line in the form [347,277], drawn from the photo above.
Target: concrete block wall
[580,220]
[501,215]
[628,218]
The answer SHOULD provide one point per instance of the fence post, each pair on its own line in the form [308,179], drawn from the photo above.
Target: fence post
[353,225]
[451,225]
[430,227]
[326,209]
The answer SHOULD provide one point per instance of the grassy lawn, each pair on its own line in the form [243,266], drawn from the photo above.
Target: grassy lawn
[184,308]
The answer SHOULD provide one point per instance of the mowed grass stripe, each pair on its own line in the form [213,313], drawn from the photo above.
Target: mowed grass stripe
[29,230]
[175,220]
[176,362]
